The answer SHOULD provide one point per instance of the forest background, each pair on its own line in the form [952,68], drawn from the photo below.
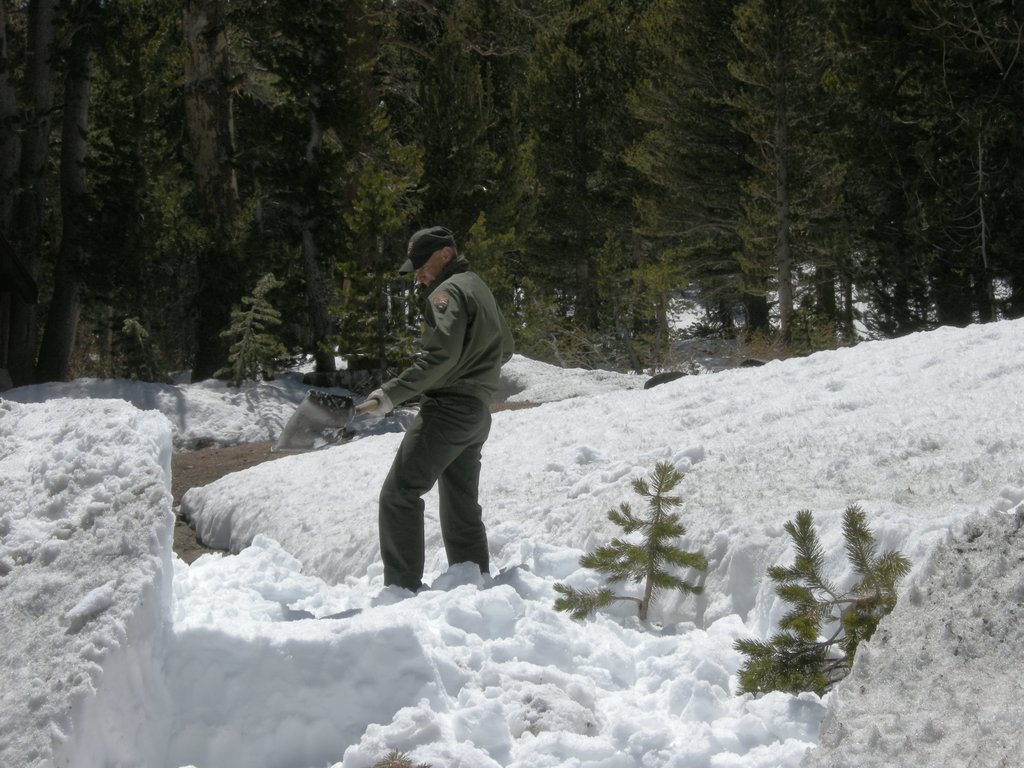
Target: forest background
[811,170]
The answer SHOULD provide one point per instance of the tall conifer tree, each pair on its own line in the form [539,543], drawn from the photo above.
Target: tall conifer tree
[583,250]
[333,183]
[790,196]
[693,155]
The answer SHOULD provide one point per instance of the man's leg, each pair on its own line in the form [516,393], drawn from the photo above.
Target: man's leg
[462,525]
[400,514]
[436,438]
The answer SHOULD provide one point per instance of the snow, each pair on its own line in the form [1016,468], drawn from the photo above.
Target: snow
[85,583]
[290,653]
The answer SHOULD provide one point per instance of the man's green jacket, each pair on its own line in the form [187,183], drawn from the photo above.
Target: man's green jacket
[465,343]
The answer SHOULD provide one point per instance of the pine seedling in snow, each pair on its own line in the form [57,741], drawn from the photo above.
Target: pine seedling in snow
[799,657]
[648,562]
[396,759]
[254,350]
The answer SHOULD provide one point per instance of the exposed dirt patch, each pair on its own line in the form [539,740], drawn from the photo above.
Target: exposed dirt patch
[193,469]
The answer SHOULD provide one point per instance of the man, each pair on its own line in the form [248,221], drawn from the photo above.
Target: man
[464,345]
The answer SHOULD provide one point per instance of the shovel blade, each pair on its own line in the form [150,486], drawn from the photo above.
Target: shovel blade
[319,421]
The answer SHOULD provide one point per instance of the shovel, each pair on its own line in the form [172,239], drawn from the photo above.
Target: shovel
[319,421]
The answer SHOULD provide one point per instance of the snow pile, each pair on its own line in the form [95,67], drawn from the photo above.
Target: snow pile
[920,432]
[292,654]
[953,644]
[209,413]
[474,672]
[85,578]
[259,684]
[527,381]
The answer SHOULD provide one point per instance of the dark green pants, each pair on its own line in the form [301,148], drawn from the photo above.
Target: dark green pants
[442,446]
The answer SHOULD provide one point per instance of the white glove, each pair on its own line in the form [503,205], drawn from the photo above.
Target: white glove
[377,403]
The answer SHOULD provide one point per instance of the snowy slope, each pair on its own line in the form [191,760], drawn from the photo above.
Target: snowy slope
[291,655]
[921,432]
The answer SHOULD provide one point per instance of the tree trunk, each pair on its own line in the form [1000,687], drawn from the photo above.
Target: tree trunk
[626,338]
[316,300]
[209,110]
[9,147]
[755,305]
[27,227]
[951,291]
[849,311]
[825,294]
[316,288]
[985,292]
[62,321]
[755,302]
[384,312]
[210,122]
[783,255]
[588,293]
[1015,304]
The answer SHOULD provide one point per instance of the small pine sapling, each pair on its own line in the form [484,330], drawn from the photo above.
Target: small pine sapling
[396,759]
[254,350]
[646,562]
[136,354]
[797,658]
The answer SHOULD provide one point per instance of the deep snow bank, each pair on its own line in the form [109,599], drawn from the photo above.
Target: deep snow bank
[938,684]
[85,569]
[474,672]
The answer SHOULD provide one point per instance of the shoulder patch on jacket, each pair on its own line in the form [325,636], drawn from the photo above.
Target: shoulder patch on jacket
[441,302]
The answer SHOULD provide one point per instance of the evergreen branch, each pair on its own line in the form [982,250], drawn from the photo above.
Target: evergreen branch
[641,487]
[680,559]
[797,658]
[645,562]
[860,543]
[581,603]
[625,519]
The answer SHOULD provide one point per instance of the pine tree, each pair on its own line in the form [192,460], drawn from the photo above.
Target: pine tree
[798,657]
[582,251]
[694,158]
[396,759]
[335,177]
[647,562]
[144,243]
[254,350]
[138,354]
[790,198]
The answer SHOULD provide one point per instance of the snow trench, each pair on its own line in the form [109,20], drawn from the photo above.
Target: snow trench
[86,564]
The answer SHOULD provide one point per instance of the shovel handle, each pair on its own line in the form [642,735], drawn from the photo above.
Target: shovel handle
[366,406]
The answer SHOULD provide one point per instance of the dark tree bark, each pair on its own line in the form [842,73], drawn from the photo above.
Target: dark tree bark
[9,147]
[316,288]
[758,313]
[58,343]
[209,115]
[825,294]
[783,253]
[209,109]
[316,299]
[27,226]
